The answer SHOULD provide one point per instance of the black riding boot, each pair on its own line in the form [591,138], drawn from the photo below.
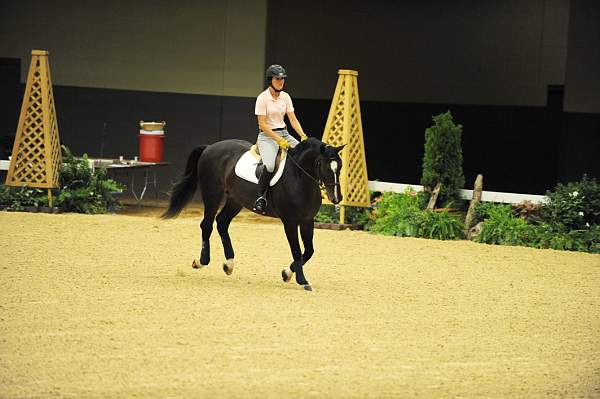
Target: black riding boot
[260,205]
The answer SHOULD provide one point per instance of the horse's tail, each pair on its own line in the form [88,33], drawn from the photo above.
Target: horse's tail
[184,189]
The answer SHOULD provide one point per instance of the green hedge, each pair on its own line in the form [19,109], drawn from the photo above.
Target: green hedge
[80,190]
[570,220]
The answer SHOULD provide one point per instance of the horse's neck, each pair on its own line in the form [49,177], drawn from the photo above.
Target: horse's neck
[307,160]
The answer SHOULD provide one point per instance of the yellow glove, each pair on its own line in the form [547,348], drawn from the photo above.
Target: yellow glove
[283,143]
[303,137]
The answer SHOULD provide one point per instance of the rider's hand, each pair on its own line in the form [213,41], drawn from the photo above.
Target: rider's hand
[283,143]
[303,137]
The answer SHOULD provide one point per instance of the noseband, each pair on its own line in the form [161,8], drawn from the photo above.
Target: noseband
[320,178]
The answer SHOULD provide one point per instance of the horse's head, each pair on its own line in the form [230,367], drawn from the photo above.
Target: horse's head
[329,166]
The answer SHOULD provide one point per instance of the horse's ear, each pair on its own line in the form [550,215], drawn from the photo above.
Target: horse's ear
[340,148]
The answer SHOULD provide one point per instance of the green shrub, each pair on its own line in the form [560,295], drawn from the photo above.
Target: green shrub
[83,191]
[483,209]
[401,215]
[354,215]
[555,237]
[575,205]
[80,190]
[17,198]
[442,159]
[396,214]
[502,227]
[440,225]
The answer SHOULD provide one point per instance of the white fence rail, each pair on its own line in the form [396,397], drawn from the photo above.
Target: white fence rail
[489,196]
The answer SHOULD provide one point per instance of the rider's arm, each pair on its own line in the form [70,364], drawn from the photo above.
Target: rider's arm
[295,123]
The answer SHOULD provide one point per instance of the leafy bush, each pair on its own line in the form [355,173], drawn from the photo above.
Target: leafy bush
[80,190]
[16,199]
[331,214]
[440,225]
[396,214]
[442,159]
[502,227]
[401,215]
[576,205]
[555,237]
[83,191]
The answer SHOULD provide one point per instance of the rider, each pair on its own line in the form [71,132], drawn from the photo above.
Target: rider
[271,107]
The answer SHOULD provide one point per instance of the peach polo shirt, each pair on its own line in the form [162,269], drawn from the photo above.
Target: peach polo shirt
[273,108]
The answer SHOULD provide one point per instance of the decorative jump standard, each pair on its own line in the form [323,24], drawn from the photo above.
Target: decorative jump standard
[36,156]
[344,126]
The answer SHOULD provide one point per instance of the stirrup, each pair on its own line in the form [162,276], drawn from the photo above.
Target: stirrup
[260,205]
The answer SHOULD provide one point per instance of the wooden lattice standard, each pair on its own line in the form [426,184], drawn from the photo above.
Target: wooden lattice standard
[36,157]
[344,126]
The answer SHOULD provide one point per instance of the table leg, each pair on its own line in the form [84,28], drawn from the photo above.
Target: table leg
[145,186]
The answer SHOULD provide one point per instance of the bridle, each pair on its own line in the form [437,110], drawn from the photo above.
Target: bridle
[319,181]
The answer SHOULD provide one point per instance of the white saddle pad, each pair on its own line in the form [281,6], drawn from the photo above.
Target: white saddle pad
[246,168]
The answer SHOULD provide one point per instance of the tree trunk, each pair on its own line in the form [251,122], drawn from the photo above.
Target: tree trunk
[433,198]
[474,201]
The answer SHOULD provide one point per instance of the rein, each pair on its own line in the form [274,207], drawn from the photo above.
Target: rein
[318,182]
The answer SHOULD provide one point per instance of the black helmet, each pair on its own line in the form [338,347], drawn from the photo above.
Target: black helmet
[275,71]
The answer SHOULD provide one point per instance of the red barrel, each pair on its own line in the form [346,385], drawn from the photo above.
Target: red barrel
[151,147]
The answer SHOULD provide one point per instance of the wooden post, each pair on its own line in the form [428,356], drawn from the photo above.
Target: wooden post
[477,190]
[344,126]
[434,196]
[36,157]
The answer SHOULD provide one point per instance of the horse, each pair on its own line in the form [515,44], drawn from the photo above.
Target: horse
[295,199]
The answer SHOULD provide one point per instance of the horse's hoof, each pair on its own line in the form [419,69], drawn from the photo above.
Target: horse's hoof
[196,264]
[228,267]
[286,274]
[307,287]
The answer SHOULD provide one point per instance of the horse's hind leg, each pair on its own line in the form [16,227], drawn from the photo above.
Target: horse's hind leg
[229,211]
[212,199]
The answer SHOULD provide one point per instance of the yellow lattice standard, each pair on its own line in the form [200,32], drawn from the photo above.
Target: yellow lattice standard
[344,126]
[36,155]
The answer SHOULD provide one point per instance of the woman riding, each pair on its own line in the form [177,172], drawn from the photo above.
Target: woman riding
[271,107]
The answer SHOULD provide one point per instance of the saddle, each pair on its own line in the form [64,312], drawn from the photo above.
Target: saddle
[250,166]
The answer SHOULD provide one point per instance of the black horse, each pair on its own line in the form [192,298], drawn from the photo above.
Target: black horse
[295,199]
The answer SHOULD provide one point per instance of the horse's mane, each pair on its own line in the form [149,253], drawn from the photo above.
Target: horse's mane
[309,144]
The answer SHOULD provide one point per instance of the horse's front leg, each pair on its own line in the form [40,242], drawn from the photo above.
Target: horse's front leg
[306,232]
[291,232]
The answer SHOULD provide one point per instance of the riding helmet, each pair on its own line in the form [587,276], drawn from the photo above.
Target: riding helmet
[274,71]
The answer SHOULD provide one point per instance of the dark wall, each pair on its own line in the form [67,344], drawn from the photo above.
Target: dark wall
[499,67]
[202,47]
[456,52]
[490,63]
[10,91]
[580,136]
[583,61]
[104,123]
[522,161]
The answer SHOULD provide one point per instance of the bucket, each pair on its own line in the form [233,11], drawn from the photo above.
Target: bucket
[151,146]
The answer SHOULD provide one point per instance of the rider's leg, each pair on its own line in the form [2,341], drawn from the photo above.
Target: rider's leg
[268,150]
[290,139]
